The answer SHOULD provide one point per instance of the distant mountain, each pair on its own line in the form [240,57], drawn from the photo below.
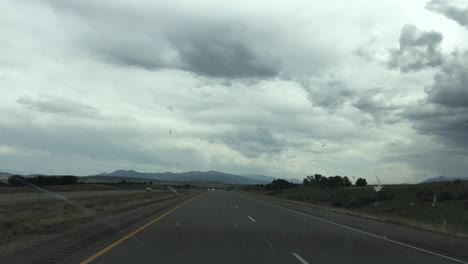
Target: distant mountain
[294,180]
[105,178]
[443,179]
[268,179]
[191,176]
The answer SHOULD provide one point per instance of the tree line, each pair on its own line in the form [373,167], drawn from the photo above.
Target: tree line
[17,180]
[279,184]
[332,181]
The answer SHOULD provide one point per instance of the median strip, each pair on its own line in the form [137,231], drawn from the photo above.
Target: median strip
[133,233]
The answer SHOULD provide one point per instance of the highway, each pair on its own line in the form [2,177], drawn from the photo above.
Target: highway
[236,227]
[232,227]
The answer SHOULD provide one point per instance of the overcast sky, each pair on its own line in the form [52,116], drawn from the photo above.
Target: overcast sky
[282,88]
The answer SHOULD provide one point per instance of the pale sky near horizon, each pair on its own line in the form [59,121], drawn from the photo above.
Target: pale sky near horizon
[281,88]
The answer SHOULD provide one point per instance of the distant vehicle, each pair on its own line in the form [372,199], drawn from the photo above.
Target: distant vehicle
[164,188]
[228,189]
[148,189]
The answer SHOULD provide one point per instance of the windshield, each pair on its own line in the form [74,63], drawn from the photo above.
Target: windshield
[234,131]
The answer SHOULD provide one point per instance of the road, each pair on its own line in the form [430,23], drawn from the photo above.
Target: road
[18,198]
[232,227]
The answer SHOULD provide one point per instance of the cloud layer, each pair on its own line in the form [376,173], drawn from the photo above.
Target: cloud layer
[94,86]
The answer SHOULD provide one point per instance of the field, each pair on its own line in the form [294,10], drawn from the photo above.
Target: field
[410,205]
[24,218]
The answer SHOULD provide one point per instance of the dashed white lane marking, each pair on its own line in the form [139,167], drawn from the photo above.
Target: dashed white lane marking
[251,219]
[362,232]
[236,206]
[299,258]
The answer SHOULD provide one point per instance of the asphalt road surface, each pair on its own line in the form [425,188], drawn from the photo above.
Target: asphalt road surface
[17,198]
[232,227]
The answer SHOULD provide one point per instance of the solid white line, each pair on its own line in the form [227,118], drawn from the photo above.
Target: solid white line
[362,232]
[251,219]
[236,206]
[299,258]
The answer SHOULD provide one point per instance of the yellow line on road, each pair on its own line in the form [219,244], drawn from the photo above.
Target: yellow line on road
[129,235]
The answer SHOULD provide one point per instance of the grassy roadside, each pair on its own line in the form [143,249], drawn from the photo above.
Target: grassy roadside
[21,219]
[408,205]
[59,188]
[76,188]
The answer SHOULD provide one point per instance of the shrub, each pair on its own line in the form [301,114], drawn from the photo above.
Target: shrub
[358,202]
[361,182]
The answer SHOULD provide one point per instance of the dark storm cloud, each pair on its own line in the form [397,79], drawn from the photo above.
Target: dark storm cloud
[58,106]
[445,110]
[213,48]
[218,55]
[459,15]
[418,50]
[450,87]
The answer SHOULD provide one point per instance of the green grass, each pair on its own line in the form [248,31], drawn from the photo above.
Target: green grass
[409,205]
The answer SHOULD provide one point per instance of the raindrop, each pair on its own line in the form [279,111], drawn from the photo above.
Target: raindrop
[324,144]
[170,131]
[170,108]
[379,186]
[434,201]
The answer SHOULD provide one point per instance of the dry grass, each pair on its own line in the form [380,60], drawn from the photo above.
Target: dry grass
[60,188]
[20,219]
[409,205]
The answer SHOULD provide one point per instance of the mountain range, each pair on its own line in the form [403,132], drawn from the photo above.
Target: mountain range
[194,176]
[444,179]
